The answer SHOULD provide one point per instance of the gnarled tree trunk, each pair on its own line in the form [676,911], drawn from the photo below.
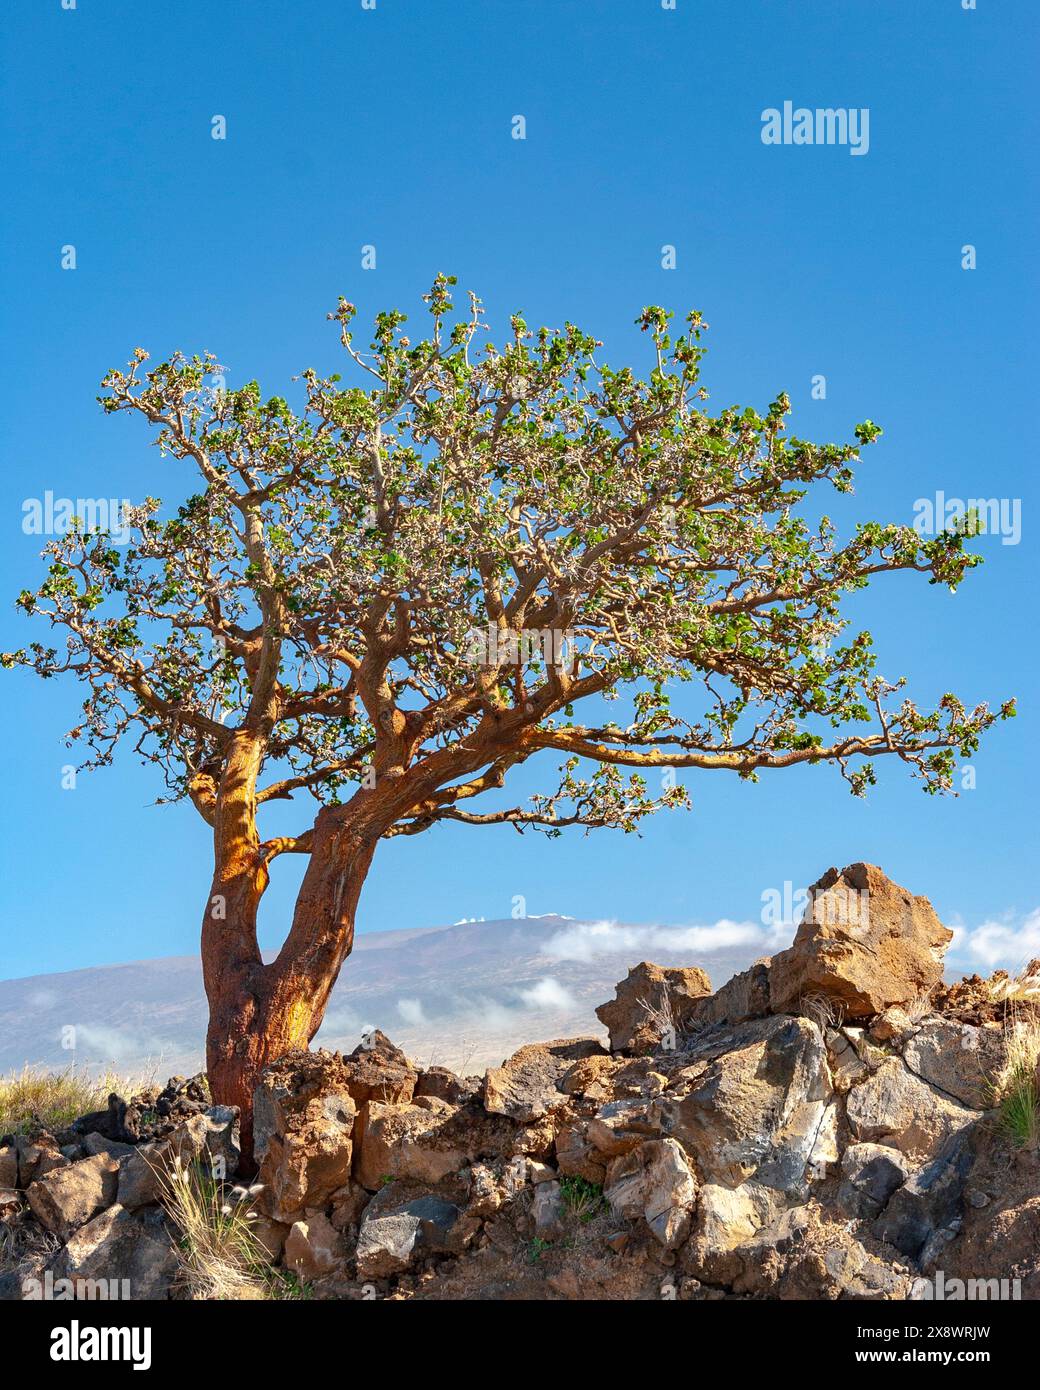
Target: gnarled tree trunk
[258,1012]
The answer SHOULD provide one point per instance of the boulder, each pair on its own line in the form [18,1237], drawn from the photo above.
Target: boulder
[119,1122]
[929,1200]
[25,1159]
[526,1087]
[377,1070]
[864,945]
[744,997]
[407,1141]
[132,1255]
[841,1268]
[303,1122]
[897,1108]
[313,1247]
[65,1198]
[142,1176]
[763,1258]
[445,1085]
[849,1059]
[657,1183]
[726,1218]
[210,1137]
[893,1026]
[269,1235]
[870,1173]
[621,1125]
[394,1234]
[752,1104]
[960,1060]
[651,1007]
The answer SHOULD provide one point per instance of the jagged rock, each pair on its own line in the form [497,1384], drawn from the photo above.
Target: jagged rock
[929,1200]
[377,1070]
[179,1099]
[763,1258]
[98,1144]
[525,1086]
[313,1247]
[25,1159]
[408,1141]
[394,1234]
[620,1126]
[958,1059]
[120,1122]
[576,1155]
[11,1203]
[726,1218]
[656,1182]
[754,1105]
[592,1077]
[209,1137]
[118,1246]
[445,1085]
[893,1026]
[865,944]
[303,1122]
[66,1198]
[848,1067]
[648,1003]
[141,1176]
[842,1269]
[547,1211]
[488,1190]
[871,1173]
[896,1108]
[744,997]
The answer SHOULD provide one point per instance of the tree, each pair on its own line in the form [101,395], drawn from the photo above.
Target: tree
[390,599]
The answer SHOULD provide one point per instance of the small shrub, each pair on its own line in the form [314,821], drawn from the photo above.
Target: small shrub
[536,1249]
[581,1197]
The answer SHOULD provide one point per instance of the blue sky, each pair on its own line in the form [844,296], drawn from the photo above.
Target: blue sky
[392,127]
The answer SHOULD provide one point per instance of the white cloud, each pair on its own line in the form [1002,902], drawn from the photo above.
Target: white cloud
[587,940]
[998,943]
[548,994]
[411,1010]
[103,1044]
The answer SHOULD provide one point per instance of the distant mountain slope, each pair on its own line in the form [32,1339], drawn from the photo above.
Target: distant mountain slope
[465,995]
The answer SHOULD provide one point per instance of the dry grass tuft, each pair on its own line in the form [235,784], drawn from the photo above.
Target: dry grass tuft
[1016,1089]
[32,1100]
[1023,988]
[220,1258]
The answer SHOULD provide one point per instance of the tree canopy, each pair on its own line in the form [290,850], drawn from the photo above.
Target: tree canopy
[405,587]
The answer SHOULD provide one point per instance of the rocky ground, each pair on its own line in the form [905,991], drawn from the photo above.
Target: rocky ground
[821,1127]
